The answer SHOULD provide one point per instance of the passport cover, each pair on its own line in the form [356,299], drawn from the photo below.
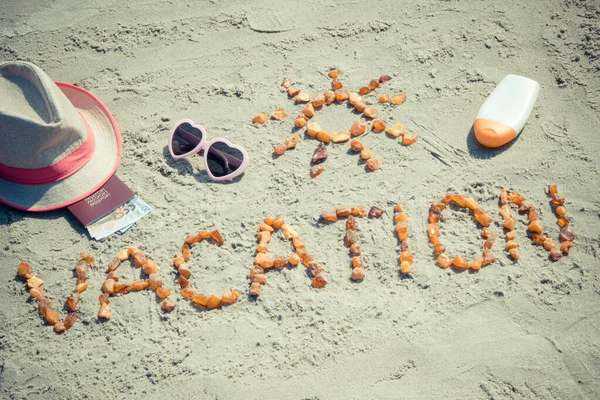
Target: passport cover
[104,200]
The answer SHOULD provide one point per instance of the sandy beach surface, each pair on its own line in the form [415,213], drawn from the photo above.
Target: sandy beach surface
[514,330]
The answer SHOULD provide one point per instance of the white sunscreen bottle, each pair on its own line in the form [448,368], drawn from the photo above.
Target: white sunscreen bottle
[505,112]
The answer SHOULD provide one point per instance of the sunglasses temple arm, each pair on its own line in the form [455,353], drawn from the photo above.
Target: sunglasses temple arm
[234,162]
[188,136]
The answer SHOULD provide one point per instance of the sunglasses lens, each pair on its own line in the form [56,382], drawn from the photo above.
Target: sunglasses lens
[223,160]
[185,139]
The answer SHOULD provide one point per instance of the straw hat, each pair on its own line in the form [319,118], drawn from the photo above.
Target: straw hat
[58,142]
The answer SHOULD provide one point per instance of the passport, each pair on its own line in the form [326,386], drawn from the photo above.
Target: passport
[110,196]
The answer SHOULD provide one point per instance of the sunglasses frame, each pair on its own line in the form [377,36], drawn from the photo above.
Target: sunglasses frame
[205,145]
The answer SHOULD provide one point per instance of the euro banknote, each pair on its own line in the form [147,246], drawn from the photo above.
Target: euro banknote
[119,219]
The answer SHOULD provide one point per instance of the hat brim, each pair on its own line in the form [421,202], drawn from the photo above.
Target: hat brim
[87,179]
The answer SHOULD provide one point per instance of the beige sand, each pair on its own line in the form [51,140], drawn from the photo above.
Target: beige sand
[514,330]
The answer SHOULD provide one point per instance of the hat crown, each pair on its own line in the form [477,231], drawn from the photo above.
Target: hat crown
[39,127]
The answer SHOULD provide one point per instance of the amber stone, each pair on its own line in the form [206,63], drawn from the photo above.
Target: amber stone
[320,153]
[140,285]
[309,111]
[357,274]
[358,128]
[114,263]
[279,261]
[279,114]
[329,217]
[319,282]
[555,254]
[407,256]
[155,281]
[564,247]
[294,259]
[163,292]
[395,130]
[300,121]
[356,145]
[505,211]
[329,97]
[318,100]
[371,112]
[488,259]
[408,140]
[375,212]
[535,227]
[25,271]
[38,293]
[72,301]
[70,319]
[104,312]
[373,164]
[350,222]
[81,287]
[185,271]
[398,99]
[108,286]
[350,237]
[302,97]
[378,125]
[489,242]
[291,141]
[359,211]
[292,91]
[260,118]
[255,289]
[343,211]
[476,265]
[217,237]
[566,234]
[316,170]
[323,136]
[548,244]
[123,254]
[341,94]
[440,249]
[444,261]
[340,137]
[355,249]
[168,305]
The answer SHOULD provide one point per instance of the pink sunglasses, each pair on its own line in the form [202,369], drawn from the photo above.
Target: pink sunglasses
[222,160]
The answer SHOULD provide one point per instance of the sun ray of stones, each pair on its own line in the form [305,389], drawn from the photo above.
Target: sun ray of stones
[113,286]
[460,262]
[262,263]
[184,273]
[338,93]
[36,291]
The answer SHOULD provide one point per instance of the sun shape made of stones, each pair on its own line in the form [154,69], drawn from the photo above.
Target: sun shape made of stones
[338,94]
